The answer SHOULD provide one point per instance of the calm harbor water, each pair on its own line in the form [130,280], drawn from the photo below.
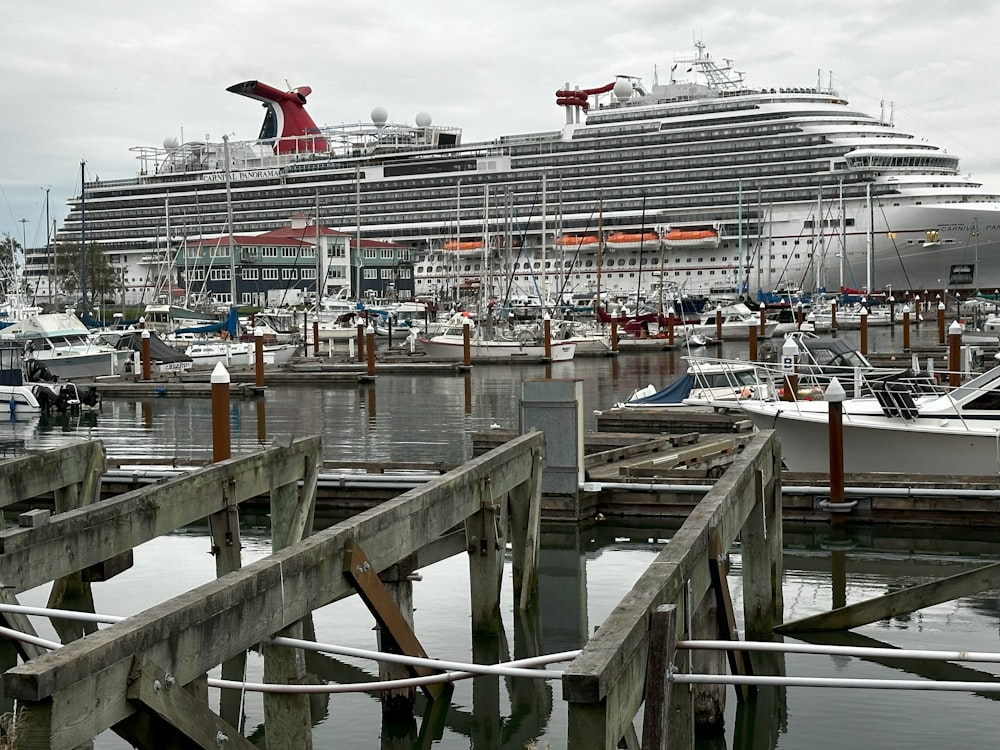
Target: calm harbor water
[584,572]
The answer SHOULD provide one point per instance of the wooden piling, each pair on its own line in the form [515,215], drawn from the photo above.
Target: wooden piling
[955,355]
[258,357]
[906,328]
[864,330]
[466,342]
[718,323]
[221,438]
[146,365]
[940,322]
[370,349]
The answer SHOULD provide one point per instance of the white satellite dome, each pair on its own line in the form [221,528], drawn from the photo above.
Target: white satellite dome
[623,89]
[423,119]
[379,116]
[170,143]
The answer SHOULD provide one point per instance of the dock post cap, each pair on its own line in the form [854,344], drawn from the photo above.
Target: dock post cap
[219,374]
[258,332]
[955,328]
[835,392]
[145,333]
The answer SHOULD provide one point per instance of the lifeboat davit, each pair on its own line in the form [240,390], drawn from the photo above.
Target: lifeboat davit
[691,238]
[628,241]
[575,242]
[463,245]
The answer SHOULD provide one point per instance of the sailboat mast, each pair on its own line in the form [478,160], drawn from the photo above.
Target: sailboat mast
[871,231]
[600,249]
[229,221]
[319,262]
[544,229]
[83,236]
[739,251]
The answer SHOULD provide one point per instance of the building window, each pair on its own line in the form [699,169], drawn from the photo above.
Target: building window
[250,274]
[289,273]
[387,254]
[387,273]
[371,273]
[220,274]
[370,253]
[307,273]
[269,274]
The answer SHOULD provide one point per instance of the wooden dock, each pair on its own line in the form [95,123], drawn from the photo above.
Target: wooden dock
[144,676]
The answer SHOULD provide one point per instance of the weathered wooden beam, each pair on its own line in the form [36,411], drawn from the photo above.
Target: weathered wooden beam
[739,661]
[190,634]
[33,557]
[38,474]
[380,603]
[157,691]
[899,602]
[662,643]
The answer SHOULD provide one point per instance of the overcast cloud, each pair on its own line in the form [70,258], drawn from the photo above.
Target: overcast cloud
[88,81]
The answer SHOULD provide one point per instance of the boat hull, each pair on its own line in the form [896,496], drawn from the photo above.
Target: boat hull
[877,444]
[77,366]
[453,348]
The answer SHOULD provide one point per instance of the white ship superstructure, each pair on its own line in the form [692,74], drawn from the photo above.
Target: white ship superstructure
[708,181]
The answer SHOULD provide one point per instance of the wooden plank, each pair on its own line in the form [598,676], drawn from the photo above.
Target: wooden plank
[899,602]
[380,603]
[662,642]
[155,690]
[739,661]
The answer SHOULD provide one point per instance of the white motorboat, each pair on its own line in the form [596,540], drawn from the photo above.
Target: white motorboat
[230,353]
[737,319]
[706,383]
[24,392]
[65,346]
[905,427]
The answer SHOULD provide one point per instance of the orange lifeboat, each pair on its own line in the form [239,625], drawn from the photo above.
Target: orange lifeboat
[691,238]
[629,241]
[578,243]
[463,246]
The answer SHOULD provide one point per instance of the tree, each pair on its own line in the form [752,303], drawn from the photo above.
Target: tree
[9,248]
[103,279]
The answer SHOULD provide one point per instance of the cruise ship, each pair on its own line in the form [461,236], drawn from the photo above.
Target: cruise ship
[701,183]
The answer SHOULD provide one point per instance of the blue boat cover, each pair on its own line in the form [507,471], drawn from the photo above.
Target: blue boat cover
[675,393]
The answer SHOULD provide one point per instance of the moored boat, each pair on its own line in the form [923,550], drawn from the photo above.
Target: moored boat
[905,426]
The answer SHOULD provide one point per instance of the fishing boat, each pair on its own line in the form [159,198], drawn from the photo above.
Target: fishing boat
[905,212]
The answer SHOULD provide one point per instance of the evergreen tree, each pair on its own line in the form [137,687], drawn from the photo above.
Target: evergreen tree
[103,279]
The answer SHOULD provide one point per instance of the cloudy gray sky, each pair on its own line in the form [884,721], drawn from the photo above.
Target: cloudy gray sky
[88,81]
